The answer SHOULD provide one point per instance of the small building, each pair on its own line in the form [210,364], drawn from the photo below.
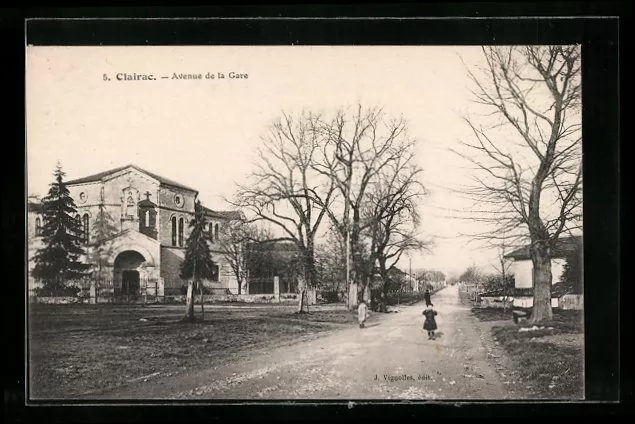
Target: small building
[522,269]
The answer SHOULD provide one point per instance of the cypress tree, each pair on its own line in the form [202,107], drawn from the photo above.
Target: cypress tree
[198,264]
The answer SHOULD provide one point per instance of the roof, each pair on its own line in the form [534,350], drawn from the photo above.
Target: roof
[231,215]
[562,247]
[147,202]
[101,175]
[34,206]
[394,269]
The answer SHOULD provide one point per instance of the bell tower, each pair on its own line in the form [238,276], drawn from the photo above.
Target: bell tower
[148,217]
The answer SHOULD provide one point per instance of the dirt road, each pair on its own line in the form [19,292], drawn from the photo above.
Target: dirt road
[390,359]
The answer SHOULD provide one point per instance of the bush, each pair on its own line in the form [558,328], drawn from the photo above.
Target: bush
[64,291]
[330,296]
[206,290]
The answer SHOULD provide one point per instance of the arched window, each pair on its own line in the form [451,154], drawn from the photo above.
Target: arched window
[78,219]
[38,226]
[180,231]
[174,231]
[216,232]
[147,218]
[86,233]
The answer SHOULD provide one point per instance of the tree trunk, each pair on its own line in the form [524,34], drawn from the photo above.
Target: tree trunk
[352,295]
[202,301]
[385,284]
[541,262]
[189,305]
[367,294]
[302,297]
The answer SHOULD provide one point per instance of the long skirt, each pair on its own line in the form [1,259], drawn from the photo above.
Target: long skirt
[430,325]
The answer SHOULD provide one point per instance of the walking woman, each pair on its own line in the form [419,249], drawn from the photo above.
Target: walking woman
[362,313]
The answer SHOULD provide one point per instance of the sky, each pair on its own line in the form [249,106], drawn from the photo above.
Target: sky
[203,132]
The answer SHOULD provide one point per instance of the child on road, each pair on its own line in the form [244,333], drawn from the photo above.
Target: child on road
[430,324]
[362,313]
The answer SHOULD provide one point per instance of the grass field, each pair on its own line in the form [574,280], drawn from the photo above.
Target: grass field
[550,359]
[76,349]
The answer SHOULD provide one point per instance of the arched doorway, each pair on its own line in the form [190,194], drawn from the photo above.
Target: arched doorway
[127,268]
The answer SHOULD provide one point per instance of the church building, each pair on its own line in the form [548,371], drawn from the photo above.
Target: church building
[150,218]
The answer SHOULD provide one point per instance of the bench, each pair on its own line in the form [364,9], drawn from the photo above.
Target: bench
[519,316]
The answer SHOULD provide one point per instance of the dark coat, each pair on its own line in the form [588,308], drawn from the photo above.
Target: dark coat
[430,323]
[426,297]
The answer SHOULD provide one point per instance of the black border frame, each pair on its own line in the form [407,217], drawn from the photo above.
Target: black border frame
[601,40]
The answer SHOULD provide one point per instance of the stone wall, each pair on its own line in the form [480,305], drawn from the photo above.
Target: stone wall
[528,302]
[168,209]
[171,259]
[495,302]
[571,301]
[234,298]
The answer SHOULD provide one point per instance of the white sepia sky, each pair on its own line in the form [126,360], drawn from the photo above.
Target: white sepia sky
[202,132]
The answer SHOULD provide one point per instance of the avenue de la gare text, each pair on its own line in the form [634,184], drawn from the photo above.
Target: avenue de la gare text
[122,76]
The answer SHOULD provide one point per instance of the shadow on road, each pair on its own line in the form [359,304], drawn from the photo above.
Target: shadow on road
[372,325]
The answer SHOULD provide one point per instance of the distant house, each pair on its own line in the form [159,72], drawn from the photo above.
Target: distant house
[523,270]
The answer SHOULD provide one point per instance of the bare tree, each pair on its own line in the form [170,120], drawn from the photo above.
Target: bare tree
[355,149]
[232,246]
[331,261]
[391,218]
[528,180]
[286,192]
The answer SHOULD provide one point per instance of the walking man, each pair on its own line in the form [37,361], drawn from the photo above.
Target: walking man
[426,296]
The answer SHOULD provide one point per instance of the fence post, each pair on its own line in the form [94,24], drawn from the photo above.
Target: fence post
[93,292]
[276,288]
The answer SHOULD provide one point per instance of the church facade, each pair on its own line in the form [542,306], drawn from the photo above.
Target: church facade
[149,218]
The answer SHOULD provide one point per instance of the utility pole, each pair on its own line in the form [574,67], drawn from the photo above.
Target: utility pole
[348,261]
[410,266]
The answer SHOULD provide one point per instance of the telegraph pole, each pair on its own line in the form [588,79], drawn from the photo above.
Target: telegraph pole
[348,262]
[410,266]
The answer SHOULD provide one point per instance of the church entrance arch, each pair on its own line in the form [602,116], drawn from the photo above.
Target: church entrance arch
[128,267]
[129,283]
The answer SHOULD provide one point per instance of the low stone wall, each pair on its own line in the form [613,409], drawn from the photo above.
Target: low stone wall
[251,298]
[495,302]
[174,299]
[59,300]
[528,302]
[571,301]
[237,298]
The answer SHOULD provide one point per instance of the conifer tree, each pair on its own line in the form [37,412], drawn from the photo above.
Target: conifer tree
[198,264]
[103,229]
[59,259]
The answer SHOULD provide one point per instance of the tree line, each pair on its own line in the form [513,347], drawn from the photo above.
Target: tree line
[350,178]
